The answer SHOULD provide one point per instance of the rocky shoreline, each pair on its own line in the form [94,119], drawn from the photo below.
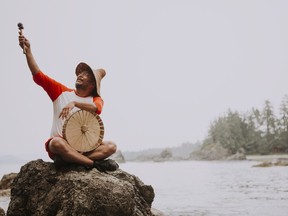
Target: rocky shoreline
[269,160]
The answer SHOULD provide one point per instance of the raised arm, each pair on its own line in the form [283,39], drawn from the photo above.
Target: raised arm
[29,56]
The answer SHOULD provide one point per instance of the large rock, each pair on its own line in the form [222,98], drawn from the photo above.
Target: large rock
[7,180]
[2,212]
[41,189]
[118,156]
[5,184]
[210,152]
[237,156]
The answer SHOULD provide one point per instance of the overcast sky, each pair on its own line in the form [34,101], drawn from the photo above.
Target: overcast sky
[173,66]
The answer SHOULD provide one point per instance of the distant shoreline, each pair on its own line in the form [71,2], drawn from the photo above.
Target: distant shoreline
[266,158]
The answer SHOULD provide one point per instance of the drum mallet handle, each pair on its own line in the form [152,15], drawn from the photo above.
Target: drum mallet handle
[21,27]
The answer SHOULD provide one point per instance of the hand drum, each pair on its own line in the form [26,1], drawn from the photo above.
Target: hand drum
[83,130]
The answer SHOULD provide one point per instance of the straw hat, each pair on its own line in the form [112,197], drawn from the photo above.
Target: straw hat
[98,75]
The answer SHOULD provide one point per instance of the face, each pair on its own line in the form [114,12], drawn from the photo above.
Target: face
[84,81]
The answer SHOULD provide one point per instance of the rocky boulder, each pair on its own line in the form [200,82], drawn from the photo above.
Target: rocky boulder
[274,162]
[2,212]
[118,156]
[237,156]
[5,184]
[40,189]
[210,152]
[7,180]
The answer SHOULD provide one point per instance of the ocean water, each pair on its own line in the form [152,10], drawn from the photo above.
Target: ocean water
[202,188]
[228,188]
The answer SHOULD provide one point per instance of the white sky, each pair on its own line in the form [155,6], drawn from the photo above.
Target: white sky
[173,66]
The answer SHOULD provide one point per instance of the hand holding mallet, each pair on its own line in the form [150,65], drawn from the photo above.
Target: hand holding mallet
[21,27]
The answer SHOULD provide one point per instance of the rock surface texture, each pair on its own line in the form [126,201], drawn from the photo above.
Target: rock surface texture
[40,189]
[2,212]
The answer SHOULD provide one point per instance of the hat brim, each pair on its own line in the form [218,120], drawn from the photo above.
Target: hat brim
[85,67]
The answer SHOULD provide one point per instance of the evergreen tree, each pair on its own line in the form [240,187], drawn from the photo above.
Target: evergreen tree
[269,123]
[228,131]
[252,131]
[283,126]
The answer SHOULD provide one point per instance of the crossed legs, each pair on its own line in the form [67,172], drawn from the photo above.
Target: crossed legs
[59,146]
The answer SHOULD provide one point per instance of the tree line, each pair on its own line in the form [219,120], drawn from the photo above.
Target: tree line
[258,131]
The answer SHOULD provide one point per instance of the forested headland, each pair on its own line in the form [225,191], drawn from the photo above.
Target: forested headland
[232,136]
[257,131]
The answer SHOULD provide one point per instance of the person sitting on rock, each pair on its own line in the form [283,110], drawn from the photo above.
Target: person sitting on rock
[85,96]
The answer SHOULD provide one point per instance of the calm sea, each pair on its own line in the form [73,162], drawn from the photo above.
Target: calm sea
[199,188]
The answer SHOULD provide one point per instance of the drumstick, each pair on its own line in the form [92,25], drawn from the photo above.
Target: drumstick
[20,27]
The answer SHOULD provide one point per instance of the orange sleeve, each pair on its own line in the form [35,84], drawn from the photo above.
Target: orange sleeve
[99,104]
[52,87]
